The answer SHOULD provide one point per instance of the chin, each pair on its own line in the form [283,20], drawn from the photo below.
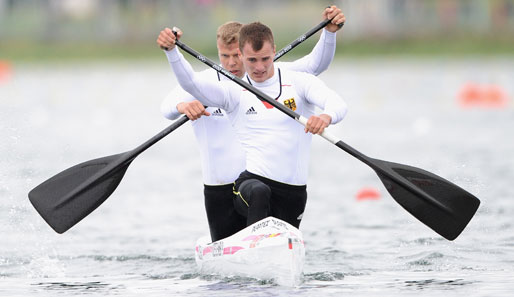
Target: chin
[259,78]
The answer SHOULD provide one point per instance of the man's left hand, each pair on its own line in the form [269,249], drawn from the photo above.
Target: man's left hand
[317,124]
[336,15]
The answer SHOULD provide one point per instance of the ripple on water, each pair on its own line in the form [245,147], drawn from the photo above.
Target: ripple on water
[326,276]
[142,257]
[427,259]
[428,284]
[219,282]
[80,287]
[424,241]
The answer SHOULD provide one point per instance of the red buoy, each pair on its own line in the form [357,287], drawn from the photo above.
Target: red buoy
[368,193]
[5,71]
[485,96]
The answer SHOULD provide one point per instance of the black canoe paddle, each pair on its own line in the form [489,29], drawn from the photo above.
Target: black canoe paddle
[66,198]
[302,38]
[435,201]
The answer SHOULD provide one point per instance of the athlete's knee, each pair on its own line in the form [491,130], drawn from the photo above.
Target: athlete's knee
[261,199]
[261,191]
[258,193]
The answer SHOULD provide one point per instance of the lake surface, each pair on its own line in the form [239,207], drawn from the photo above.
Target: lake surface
[140,241]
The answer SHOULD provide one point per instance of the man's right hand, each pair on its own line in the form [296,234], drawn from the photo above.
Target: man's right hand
[166,39]
[193,110]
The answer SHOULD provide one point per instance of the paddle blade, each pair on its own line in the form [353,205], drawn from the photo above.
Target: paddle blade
[66,198]
[435,201]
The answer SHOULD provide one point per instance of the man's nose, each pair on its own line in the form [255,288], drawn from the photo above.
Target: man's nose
[259,66]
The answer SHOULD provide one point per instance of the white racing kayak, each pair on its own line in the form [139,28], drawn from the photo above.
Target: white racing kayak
[270,249]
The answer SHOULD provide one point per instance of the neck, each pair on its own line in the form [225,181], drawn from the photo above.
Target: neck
[273,78]
[272,72]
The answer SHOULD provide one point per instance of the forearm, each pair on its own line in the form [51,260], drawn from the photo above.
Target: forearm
[319,58]
[323,53]
[335,107]
[169,104]
[326,99]
[210,94]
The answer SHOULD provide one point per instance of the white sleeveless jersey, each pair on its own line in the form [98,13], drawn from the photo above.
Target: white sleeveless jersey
[276,146]
[222,155]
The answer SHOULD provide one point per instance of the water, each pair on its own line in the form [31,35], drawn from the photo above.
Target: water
[140,240]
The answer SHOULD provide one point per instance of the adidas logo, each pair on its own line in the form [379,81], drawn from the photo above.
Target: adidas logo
[217,112]
[251,110]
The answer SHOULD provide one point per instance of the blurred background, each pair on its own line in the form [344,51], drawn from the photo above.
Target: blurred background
[116,29]
[429,83]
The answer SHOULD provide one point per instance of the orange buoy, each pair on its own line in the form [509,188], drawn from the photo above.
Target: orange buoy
[367,193]
[5,71]
[488,96]
[494,96]
[469,95]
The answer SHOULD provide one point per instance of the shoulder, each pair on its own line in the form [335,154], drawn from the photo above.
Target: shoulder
[209,74]
[296,75]
[282,65]
[230,89]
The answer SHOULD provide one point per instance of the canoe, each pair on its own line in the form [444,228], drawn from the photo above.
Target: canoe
[270,249]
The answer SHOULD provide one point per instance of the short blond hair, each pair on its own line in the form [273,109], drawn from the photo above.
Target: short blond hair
[228,33]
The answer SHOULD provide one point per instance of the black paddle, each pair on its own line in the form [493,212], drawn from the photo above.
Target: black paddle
[436,202]
[302,38]
[68,197]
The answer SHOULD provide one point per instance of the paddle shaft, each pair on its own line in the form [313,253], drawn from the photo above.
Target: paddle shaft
[301,39]
[184,119]
[254,90]
[302,120]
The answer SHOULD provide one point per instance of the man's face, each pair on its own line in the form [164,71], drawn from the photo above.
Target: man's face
[230,59]
[259,64]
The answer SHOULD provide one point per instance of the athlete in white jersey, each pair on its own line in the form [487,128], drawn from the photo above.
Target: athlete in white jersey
[214,132]
[222,156]
[277,148]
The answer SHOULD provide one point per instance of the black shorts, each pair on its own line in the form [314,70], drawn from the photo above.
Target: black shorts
[286,202]
[221,214]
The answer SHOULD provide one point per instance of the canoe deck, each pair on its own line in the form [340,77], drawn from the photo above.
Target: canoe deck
[269,249]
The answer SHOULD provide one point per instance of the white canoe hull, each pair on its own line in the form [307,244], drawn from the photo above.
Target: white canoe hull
[268,249]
